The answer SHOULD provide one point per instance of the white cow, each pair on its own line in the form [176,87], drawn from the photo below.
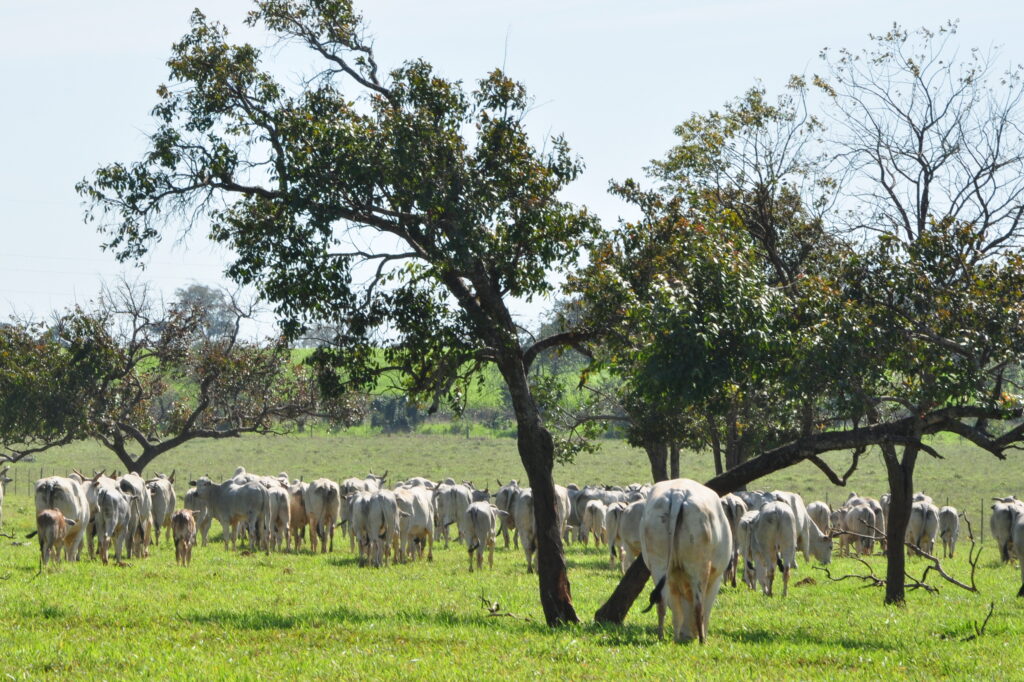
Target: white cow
[613,518]
[734,508]
[200,513]
[382,527]
[773,541]
[686,543]
[923,526]
[113,520]
[163,499]
[299,519]
[949,529]
[322,499]
[140,525]
[744,535]
[68,496]
[809,538]
[480,521]
[280,516]
[504,500]
[594,515]
[416,522]
[1004,513]
[859,522]
[1017,540]
[526,525]
[630,533]
[820,513]
[232,503]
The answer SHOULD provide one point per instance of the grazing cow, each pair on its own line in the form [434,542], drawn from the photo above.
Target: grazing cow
[773,540]
[594,515]
[382,527]
[232,503]
[161,492]
[630,533]
[809,538]
[949,529]
[734,508]
[686,542]
[200,513]
[820,513]
[114,514]
[479,523]
[183,528]
[504,500]
[3,486]
[52,529]
[297,512]
[67,496]
[140,525]
[859,522]
[416,522]
[755,499]
[322,499]
[1017,540]
[744,535]
[923,526]
[1004,512]
[526,525]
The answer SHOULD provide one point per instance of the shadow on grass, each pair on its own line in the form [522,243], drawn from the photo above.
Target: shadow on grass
[762,636]
[340,615]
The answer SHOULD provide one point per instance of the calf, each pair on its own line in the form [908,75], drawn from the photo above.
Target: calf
[183,528]
[52,528]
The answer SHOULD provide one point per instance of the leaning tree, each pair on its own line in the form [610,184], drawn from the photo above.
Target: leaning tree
[399,209]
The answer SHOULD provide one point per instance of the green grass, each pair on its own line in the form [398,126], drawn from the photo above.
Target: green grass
[237,616]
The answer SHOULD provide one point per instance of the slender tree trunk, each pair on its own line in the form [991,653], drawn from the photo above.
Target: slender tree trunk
[537,452]
[901,485]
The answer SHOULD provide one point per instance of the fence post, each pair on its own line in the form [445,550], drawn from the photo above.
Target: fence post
[981,522]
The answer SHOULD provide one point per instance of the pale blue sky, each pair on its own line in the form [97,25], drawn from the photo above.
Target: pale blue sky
[79,78]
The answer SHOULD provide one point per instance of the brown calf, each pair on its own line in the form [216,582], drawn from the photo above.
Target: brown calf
[51,527]
[183,526]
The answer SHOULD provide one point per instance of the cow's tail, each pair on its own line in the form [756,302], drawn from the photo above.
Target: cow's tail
[265,516]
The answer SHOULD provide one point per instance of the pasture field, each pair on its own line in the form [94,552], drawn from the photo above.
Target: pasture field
[241,616]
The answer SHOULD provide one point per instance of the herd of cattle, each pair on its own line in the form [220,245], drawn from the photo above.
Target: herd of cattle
[690,538]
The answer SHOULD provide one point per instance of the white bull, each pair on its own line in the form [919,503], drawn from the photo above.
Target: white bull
[480,524]
[416,522]
[923,526]
[113,519]
[232,503]
[686,542]
[322,500]
[140,525]
[68,496]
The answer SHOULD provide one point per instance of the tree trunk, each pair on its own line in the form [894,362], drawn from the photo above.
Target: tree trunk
[657,453]
[674,461]
[537,452]
[901,484]
[716,445]
[632,583]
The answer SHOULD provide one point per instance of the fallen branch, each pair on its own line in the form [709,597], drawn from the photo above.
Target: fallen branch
[872,579]
[494,610]
[979,631]
[10,536]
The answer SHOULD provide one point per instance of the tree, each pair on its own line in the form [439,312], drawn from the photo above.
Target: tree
[143,380]
[215,304]
[403,210]
[917,328]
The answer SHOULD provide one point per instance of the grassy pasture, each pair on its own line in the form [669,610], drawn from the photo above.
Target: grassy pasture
[236,616]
